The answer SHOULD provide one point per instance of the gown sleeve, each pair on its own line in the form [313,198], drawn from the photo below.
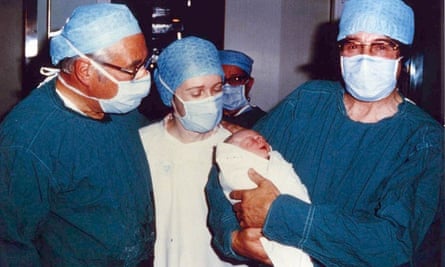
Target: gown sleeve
[21,174]
[222,220]
[387,237]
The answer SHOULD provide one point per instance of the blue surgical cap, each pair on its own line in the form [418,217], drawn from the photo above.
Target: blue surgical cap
[236,58]
[184,59]
[91,28]
[392,18]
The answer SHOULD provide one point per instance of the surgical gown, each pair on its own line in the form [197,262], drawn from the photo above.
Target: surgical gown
[374,187]
[74,191]
[180,172]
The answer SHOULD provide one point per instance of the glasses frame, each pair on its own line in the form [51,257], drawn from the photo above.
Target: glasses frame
[394,47]
[132,72]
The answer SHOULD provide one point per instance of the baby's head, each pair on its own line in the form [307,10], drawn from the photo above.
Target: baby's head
[250,140]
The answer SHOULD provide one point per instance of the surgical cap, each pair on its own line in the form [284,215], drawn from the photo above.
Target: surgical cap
[91,28]
[184,59]
[392,18]
[236,58]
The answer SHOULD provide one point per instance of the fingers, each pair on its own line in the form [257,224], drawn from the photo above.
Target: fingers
[236,194]
[247,243]
[239,213]
[255,177]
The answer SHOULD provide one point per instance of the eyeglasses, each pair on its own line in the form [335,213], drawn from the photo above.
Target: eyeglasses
[237,80]
[381,48]
[132,72]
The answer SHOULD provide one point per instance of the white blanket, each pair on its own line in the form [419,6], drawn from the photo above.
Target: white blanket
[234,163]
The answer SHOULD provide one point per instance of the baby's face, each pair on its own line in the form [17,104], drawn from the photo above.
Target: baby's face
[251,141]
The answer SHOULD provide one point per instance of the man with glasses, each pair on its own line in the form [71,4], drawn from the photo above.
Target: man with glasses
[372,161]
[75,186]
[237,68]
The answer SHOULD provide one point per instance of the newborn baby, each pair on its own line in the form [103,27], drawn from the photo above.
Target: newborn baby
[248,149]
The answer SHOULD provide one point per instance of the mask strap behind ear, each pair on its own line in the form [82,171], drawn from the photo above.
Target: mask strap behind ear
[49,72]
[94,63]
[168,88]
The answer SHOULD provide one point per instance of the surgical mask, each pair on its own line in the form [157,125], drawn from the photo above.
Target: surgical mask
[129,93]
[128,97]
[201,115]
[234,96]
[369,78]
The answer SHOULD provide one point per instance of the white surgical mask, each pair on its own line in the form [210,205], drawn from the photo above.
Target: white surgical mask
[201,115]
[129,93]
[369,78]
[234,96]
[128,97]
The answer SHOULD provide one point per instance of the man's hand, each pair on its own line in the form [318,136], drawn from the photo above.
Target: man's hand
[246,242]
[254,204]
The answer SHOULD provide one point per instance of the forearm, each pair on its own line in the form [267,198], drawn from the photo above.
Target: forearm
[23,207]
[222,221]
[336,239]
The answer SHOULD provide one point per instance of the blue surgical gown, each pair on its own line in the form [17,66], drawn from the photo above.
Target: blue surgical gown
[374,186]
[74,191]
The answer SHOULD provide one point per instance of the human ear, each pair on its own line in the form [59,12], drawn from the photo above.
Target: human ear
[249,85]
[83,70]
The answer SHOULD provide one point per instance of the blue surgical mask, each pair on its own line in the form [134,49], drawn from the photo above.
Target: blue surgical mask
[201,115]
[369,78]
[234,96]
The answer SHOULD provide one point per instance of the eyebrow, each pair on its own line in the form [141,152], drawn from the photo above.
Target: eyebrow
[137,62]
[201,86]
[238,75]
[194,87]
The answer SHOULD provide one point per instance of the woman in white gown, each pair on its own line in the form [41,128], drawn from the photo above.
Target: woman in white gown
[179,149]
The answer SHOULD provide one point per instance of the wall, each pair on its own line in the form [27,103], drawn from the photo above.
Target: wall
[14,76]
[279,40]
[11,52]
[281,36]
[292,41]
[278,35]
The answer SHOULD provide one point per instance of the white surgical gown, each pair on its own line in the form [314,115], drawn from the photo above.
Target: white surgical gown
[180,172]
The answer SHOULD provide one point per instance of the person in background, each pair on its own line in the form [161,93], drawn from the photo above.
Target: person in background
[179,149]
[372,161]
[237,68]
[75,187]
[246,149]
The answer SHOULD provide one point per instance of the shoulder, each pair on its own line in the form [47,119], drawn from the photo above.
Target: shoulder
[419,124]
[152,130]
[309,98]
[256,110]
[36,115]
[316,87]
[222,133]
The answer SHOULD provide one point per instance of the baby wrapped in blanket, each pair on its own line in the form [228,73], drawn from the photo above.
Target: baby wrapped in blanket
[248,149]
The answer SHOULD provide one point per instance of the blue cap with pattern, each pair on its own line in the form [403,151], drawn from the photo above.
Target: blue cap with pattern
[392,18]
[93,27]
[236,58]
[184,59]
